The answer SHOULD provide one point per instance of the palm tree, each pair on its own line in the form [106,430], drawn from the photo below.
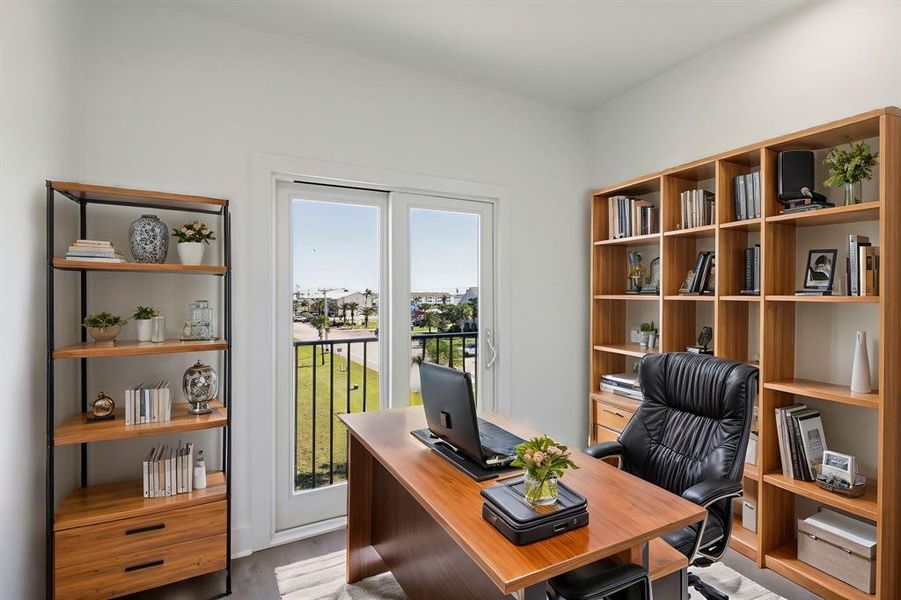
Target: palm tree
[322,325]
[367,312]
[343,309]
[353,307]
[367,293]
[318,306]
[474,303]
[431,319]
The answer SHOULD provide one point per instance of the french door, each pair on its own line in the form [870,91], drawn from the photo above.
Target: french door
[370,283]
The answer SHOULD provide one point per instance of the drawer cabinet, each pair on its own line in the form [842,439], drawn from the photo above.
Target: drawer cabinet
[602,434]
[612,416]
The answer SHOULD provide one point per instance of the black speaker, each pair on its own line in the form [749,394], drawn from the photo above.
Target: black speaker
[794,172]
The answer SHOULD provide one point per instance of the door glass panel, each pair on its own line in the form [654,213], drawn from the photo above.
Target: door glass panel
[335,251]
[444,292]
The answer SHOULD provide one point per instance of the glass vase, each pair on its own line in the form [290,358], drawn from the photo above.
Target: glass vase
[539,492]
[853,193]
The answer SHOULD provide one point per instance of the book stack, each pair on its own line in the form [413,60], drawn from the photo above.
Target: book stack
[862,266]
[697,208]
[169,470]
[628,217]
[148,403]
[94,251]
[703,279]
[752,271]
[746,192]
[623,384]
[801,441]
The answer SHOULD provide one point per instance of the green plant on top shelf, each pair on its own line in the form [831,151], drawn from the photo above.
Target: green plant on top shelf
[143,313]
[849,168]
[647,327]
[103,320]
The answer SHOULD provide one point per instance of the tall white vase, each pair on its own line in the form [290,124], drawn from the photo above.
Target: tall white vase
[860,372]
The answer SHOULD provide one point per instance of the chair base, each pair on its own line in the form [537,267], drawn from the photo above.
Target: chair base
[705,590]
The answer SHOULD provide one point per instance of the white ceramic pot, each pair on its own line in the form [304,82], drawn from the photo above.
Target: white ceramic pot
[190,253]
[145,329]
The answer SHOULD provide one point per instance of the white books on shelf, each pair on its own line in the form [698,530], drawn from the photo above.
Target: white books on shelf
[148,403]
[168,470]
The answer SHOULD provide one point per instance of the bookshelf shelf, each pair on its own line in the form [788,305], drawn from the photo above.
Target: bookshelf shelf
[824,391]
[645,297]
[635,240]
[77,430]
[864,506]
[135,348]
[769,328]
[868,211]
[122,500]
[626,349]
[65,264]
[784,560]
[703,231]
[104,194]
[744,540]
[823,299]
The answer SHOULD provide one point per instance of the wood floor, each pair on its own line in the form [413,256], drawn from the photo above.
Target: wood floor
[253,577]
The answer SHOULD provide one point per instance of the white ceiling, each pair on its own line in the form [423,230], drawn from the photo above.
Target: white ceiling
[565,52]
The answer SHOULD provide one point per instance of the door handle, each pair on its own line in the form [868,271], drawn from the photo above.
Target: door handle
[491,348]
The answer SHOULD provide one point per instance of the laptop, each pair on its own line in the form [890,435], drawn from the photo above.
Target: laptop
[450,412]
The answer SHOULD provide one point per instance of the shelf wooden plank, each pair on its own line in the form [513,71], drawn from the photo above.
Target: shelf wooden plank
[694,232]
[663,559]
[745,225]
[626,349]
[131,267]
[636,240]
[740,298]
[77,430]
[134,348]
[626,297]
[825,299]
[868,211]
[751,471]
[685,298]
[607,397]
[111,193]
[123,500]
[824,391]
[784,560]
[864,506]
[743,540]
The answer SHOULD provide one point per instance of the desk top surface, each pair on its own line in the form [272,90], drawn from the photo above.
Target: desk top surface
[625,511]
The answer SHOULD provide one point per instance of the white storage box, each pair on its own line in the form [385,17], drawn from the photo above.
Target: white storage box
[749,514]
[751,454]
[840,546]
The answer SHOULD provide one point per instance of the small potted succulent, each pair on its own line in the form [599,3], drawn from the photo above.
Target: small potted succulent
[849,168]
[143,316]
[648,335]
[191,240]
[544,461]
[104,327]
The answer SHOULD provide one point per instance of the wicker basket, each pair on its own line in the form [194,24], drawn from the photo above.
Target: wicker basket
[855,491]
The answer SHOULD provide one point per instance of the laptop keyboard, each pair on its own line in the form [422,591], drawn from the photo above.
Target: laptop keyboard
[496,440]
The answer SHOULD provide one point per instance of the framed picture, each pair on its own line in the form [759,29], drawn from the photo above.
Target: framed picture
[820,272]
[686,285]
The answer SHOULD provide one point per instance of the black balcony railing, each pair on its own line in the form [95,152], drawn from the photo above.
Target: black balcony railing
[340,376]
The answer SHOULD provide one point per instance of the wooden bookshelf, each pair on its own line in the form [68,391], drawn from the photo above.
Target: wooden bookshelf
[773,318]
[135,348]
[78,430]
[66,264]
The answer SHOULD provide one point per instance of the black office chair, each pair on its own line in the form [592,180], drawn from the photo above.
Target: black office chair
[689,436]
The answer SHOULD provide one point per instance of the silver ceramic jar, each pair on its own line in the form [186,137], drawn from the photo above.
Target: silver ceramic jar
[149,239]
[200,385]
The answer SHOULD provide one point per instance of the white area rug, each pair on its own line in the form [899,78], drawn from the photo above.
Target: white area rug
[322,578]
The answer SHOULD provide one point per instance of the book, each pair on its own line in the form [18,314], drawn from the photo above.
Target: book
[868,270]
[854,244]
[813,442]
[783,439]
[738,192]
[756,187]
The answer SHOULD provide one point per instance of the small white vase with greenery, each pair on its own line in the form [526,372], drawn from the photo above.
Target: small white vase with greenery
[647,330]
[143,317]
[104,327]
[849,168]
[544,461]
[192,239]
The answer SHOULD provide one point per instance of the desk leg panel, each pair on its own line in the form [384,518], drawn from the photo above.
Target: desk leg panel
[362,560]
[425,560]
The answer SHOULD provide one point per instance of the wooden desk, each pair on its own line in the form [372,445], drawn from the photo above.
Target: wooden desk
[410,512]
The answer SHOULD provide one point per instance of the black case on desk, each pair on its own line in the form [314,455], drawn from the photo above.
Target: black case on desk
[506,508]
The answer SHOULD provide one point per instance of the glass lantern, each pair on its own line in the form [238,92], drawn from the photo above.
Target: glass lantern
[199,325]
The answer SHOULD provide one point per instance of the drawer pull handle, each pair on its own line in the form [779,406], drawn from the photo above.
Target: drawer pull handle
[145,529]
[613,412]
[156,563]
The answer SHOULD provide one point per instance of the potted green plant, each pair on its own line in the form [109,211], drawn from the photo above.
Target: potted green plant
[647,330]
[850,167]
[143,316]
[544,461]
[104,327]
[192,237]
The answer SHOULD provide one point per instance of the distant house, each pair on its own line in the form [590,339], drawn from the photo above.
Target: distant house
[359,298]
[417,298]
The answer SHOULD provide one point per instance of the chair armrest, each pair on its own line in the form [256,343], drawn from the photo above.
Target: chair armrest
[711,490]
[605,450]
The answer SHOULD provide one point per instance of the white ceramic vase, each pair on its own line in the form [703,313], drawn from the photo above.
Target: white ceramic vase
[860,371]
[190,253]
[145,327]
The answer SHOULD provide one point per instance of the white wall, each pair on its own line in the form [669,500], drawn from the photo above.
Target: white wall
[826,61]
[177,102]
[39,120]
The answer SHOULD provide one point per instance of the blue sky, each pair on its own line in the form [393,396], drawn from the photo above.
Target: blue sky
[336,245]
